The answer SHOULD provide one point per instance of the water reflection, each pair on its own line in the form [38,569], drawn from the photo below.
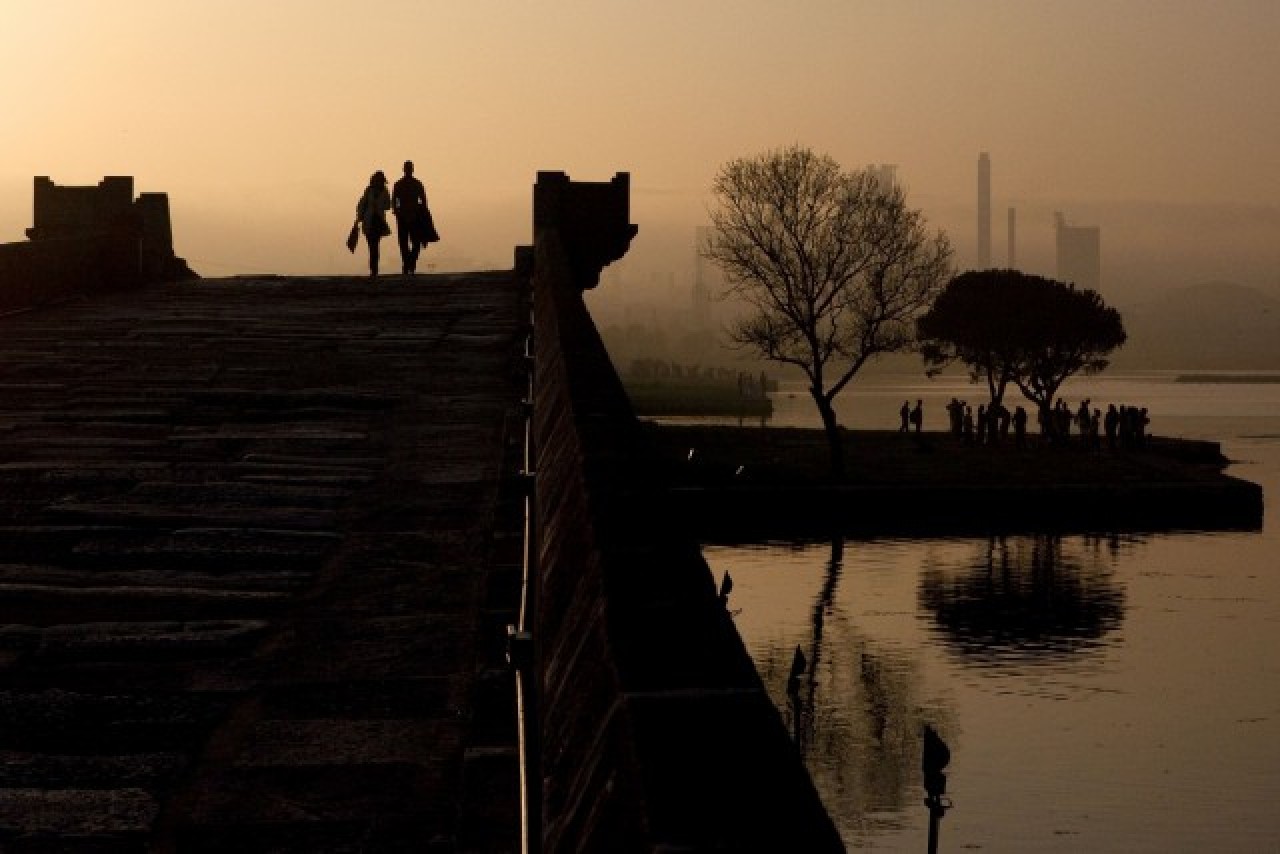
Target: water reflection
[1129,702]
[1026,599]
[856,712]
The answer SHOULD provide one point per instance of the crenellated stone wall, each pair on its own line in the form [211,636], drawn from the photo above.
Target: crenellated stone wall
[86,240]
[655,731]
[66,211]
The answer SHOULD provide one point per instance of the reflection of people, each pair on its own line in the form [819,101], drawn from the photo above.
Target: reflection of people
[371,211]
[409,204]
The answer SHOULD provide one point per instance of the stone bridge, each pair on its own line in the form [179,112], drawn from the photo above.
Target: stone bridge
[338,564]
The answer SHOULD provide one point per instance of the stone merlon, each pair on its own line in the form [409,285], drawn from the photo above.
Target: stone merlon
[592,220]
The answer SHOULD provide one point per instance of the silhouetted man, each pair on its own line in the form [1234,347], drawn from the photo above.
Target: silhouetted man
[1082,418]
[1020,427]
[1140,422]
[955,417]
[409,204]
[917,416]
[1111,423]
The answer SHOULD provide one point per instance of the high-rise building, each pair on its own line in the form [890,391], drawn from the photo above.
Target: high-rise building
[1079,253]
[984,211]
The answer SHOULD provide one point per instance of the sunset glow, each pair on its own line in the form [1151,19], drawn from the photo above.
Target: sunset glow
[1156,120]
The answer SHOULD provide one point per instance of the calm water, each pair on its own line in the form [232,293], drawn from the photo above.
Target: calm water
[1109,693]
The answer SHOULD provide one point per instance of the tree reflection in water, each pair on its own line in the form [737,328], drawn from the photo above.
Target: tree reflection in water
[856,714]
[1025,599]
[858,708]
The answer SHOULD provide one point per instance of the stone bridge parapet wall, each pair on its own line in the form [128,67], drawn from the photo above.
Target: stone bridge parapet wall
[45,271]
[656,733]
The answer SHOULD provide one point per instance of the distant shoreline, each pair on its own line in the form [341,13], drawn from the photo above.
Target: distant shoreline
[1217,378]
[651,398]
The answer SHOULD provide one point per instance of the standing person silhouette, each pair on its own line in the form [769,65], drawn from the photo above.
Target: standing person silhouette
[409,204]
[371,213]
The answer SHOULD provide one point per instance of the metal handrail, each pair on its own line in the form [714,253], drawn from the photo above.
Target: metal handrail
[520,640]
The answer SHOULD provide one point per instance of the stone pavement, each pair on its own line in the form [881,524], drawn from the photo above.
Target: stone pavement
[258,546]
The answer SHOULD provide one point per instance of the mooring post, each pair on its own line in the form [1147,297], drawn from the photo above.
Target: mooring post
[934,758]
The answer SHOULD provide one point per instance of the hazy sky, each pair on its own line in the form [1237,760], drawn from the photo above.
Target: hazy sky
[1159,121]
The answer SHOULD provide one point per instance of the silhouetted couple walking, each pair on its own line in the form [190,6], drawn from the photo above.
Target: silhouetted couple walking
[414,225]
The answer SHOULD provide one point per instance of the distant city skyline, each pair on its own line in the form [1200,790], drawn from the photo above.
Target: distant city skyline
[1077,248]
[262,121]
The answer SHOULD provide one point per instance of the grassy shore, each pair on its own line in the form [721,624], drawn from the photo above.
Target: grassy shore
[773,479]
[800,456]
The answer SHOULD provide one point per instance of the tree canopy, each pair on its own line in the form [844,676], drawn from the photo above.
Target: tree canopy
[833,264]
[1008,326]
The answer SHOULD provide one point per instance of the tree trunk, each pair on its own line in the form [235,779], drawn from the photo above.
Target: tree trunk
[832,428]
[993,387]
[997,383]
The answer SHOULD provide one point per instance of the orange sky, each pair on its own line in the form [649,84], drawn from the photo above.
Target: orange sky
[263,120]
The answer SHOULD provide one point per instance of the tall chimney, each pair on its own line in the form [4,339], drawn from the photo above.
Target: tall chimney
[984,211]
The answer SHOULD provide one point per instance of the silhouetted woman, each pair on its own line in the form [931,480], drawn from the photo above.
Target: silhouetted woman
[371,212]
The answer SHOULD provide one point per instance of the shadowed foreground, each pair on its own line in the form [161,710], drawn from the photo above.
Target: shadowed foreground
[256,549]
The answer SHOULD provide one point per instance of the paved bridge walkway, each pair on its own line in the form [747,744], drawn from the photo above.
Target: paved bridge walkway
[257,549]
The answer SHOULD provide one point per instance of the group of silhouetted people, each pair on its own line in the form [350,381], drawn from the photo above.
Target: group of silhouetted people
[1126,426]
[407,200]
[1123,426]
[990,425]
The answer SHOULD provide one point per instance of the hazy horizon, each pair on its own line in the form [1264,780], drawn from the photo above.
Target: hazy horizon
[1152,120]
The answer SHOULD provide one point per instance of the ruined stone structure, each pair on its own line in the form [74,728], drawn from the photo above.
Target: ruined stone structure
[89,239]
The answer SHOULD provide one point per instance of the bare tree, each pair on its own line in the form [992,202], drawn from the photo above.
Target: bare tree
[834,265]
